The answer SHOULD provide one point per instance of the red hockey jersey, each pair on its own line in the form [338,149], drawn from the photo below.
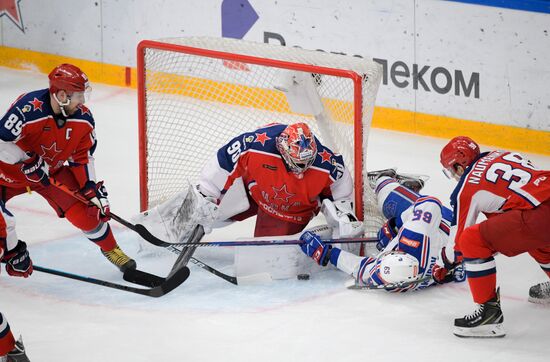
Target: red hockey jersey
[279,192]
[31,124]
[496,182]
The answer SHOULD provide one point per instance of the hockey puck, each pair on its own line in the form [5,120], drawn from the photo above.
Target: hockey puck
[303,276]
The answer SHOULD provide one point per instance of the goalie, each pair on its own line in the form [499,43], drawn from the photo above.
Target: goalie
[288,176]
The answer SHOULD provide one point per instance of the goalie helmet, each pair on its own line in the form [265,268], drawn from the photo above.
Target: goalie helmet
[461,151]
[396,266]
[297,146]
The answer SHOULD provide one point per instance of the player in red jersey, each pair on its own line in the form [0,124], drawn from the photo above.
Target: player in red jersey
[50,133]
[288,175]
[515,197]
[19,264]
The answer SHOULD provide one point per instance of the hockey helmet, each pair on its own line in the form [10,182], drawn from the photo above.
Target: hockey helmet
[297,146]
[69,78]
[397,266]
[461,151]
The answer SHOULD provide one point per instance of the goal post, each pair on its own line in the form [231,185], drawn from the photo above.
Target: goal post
[195,94]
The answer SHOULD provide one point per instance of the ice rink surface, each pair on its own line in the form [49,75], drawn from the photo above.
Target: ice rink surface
[208,319]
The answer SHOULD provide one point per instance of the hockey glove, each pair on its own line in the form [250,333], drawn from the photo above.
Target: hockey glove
[313,247]
[36,170]
[18,261]
[387,232]
[207,210]
[443,270]
[98,206]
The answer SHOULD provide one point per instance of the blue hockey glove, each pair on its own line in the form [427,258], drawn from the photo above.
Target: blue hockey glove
[96,194]
[313,247]
[18,261]
[35,169]
[387,232]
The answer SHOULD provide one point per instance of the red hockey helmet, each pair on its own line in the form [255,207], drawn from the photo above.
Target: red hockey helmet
[297,147]
[461,151]
[69,78]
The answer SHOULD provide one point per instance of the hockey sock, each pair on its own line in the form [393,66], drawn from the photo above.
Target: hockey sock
[103,237]
[542,256]
[482,278]
[7,342]
[479,264]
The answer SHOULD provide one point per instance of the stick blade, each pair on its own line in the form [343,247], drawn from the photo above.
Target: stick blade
[172,282]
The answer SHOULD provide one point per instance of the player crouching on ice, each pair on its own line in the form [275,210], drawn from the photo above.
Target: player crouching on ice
[410,241]
[50,133]
[515,197]
[287,173]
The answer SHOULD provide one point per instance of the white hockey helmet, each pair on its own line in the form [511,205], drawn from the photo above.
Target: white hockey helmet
[397,266]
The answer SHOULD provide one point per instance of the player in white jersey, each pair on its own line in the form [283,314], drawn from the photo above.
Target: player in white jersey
[410,241]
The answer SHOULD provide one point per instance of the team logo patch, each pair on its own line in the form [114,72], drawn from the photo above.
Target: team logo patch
[325,156]
[282,194]
[37,104]
[249,139]
[26,109]
[389,209]
[262,138]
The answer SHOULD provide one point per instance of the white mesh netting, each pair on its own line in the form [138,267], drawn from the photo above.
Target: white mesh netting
[194,103]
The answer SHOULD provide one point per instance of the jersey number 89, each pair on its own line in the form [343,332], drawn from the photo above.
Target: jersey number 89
[14,124]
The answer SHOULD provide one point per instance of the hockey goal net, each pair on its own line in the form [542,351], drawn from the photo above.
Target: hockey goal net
[195,94]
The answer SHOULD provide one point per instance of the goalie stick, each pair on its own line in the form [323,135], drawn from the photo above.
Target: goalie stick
[389,286]
[172,281]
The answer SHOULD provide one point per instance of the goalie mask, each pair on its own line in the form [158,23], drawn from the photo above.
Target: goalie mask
[397,266]
[297,146]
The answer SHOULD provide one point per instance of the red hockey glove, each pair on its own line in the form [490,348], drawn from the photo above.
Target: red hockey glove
[36,170]
[18,261]
[442,271]
[96,194]
[313,247]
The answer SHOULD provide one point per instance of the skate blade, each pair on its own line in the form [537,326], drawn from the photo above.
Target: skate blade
[486,331]
[539,300]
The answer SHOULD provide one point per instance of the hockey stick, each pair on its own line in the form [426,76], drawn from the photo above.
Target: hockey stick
[172,281]
[389,286]
[165,244]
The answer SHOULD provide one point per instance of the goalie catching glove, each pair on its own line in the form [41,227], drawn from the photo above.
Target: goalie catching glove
[341,217]
[96,194]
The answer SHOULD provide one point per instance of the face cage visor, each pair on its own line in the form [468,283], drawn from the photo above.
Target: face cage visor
[450,173]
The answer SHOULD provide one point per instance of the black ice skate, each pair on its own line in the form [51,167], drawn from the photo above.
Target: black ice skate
[540,293]
[412,181]
[375,175]
[485,322]
[17,354]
